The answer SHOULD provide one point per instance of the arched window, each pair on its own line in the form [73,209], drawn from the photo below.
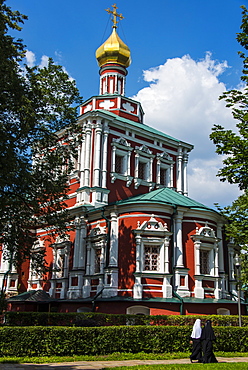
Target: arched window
[138,310]
[223,311]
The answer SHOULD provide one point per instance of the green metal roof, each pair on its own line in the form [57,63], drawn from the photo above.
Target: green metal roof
[140,126]
[165,196]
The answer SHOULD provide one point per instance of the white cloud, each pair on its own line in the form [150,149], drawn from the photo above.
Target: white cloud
[205,187]
[44,61]
[30,58]
[182,100]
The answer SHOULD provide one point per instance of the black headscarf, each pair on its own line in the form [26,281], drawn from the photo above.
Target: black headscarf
[207,332]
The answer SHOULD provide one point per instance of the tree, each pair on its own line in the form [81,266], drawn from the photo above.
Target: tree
[38,138]
[234,145]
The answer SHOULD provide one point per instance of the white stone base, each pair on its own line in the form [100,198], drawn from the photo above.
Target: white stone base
[137,291]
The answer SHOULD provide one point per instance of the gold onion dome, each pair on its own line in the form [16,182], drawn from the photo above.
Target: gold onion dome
[113,50]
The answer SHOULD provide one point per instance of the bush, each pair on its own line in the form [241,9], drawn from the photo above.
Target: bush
[100,319]
[68,341]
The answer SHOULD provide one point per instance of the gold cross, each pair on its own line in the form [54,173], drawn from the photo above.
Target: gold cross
[115,15]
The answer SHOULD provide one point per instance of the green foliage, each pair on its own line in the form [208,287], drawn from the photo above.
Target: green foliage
[38,113]
[234,146]
[100,319]
[61,341]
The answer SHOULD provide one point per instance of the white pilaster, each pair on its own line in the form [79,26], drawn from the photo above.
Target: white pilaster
[179,170]
[105,155]
[198,290]
[138,288]
[113,252]
[87,155]
[97,154]
[171,175]
[178,245]
[82,161]
[185,176]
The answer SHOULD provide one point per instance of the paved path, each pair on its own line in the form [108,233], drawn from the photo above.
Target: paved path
[96,365]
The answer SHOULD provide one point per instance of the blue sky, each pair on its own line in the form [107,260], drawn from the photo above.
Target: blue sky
[184,55]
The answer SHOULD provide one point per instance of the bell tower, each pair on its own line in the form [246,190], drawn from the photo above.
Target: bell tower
[113,58]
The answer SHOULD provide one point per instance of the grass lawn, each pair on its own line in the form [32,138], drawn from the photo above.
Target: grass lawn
[124,356]
[226,366]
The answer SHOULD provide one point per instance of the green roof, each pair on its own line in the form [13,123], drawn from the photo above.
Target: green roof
[165,196]
[140,126]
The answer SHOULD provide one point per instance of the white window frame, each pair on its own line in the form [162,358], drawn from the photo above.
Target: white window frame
[96,240]
[144,155]
[205,239]
[210,249]
[152,233]
[165,162]
[122,148]
[153,242]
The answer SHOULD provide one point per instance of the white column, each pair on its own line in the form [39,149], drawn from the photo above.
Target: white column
[221,254]
[150,169]
[87,286]
[185,176]
[82,162]
[197,245]
[79,246]
[82,246]
[216,271]
[216,260]
[138,288]
[87,155]
[129,163]
[178,240]
[166,255]
[113,252]
[105,155]
[158,171]
[88,259]
[113,158]
[179,170]
[76,243]
[198,290]
[138,253]
[136,168]
[97,154]
[167,288]
[171,175]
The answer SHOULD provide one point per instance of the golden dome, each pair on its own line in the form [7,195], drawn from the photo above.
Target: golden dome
[113,51]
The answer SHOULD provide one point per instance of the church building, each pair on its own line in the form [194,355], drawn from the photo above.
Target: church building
[140,244]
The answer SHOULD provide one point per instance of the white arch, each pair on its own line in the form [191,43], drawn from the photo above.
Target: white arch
[223,311]
[138,310]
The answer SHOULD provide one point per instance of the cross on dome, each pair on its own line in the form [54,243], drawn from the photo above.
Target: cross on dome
[115,15]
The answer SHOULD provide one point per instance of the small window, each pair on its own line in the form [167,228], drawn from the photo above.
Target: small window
[204,261]
[97,260]
[152,258]
[119,164]
[142,171]
[163,176]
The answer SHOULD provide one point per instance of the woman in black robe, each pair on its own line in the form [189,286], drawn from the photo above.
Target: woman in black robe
[207,338]
[196,339]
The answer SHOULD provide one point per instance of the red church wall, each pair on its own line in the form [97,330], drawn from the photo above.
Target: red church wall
[23,273]
[127,254]
[209,309]
[117,130]
[127,257]
[188,246]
